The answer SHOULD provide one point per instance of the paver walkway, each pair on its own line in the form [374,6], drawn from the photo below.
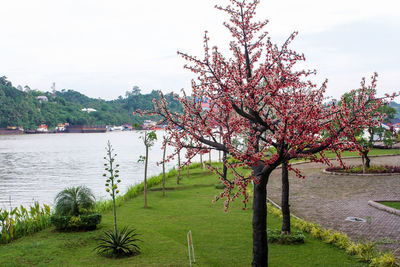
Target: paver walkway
[328,199]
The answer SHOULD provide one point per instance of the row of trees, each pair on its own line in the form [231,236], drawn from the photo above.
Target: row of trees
[258,93]
[22,108]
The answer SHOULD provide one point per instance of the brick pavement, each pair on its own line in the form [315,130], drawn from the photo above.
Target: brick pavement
[328,199]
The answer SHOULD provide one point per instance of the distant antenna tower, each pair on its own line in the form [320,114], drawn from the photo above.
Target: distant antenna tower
[53,87]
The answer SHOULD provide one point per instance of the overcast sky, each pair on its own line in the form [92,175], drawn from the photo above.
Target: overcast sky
[104,48]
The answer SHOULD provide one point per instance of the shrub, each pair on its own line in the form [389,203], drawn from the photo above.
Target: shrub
[21,222]
[275,236]
[372,169]
[74,201]
[76,223]
[338,239]
[366,251]
[384,260]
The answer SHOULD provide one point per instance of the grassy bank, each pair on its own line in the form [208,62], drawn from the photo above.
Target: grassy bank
[220,239]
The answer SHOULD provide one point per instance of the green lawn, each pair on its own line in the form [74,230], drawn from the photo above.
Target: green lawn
[392,204]
[372,152]
[220,239]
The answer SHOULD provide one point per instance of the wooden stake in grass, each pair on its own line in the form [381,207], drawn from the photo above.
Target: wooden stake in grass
[148,139]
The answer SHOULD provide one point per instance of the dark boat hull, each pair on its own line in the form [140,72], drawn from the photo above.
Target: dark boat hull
[86,129]
[10,131]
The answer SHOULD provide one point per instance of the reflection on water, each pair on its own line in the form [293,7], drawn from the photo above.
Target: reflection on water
[37,167]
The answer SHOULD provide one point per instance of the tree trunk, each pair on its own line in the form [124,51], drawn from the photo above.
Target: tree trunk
[179,168]
[145,177]
[163,171]
[363,162]
[285,200]
[201,161]
[187,170]
[260,245]
[367,159]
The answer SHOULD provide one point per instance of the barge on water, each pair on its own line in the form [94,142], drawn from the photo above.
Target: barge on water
[85,129]
[12,130]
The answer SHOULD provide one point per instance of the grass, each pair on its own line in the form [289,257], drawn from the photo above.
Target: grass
[392,204]
[220,239]
[372,152]
[371,169]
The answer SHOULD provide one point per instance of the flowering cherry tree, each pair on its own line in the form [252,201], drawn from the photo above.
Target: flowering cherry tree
[256,93]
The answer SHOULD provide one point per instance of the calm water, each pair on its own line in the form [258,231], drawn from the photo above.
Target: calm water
[37,167]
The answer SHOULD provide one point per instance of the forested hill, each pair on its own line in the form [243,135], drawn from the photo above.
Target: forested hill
[20,107]
[397,107]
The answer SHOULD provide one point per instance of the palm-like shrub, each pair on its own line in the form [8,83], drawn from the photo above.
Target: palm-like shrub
[74,201]
[119,243]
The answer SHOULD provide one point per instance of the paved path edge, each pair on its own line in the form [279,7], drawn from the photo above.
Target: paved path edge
[383,207]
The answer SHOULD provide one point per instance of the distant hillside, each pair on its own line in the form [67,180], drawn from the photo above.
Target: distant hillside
[23,108]
[397,107]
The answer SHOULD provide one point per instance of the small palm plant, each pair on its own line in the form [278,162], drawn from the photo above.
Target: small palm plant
[74,210]
[117,243]
[74,201]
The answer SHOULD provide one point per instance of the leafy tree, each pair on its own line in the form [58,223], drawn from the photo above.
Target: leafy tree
[149,137]
[163,164]
[257,93]
[364,137]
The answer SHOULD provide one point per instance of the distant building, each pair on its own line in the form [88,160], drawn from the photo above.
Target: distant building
[149,124]
[205,105]
[42,98]
[88,110]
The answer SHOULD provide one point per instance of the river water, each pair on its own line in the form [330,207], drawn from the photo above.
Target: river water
[36,167]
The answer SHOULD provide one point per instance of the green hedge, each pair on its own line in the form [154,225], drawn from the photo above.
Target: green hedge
[71,223]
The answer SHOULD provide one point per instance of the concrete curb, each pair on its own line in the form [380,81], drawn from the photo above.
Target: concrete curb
[360,174]
[350,157]
[383,207]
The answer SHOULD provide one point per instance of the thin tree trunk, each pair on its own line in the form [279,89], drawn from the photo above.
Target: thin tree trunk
[201,161]
[220,141]
[260,245]
[145,177]
[363,162]
[187,170]
[209,157]
[163,171]
[179,168]
[367,159]
[285,200]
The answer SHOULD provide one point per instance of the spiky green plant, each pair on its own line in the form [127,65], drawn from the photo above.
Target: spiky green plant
[74,201]
[116,242]
[119,243]
[112,179]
